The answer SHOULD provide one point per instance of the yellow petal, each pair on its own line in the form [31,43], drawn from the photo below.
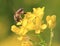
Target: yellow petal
[19,23]
[44,26]
[34,9]
[53,17]
[48,18]
[15,29]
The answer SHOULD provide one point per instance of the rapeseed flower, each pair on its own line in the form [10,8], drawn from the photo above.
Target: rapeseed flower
[51,21]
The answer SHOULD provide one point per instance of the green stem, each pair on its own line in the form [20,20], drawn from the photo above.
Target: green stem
[51,37]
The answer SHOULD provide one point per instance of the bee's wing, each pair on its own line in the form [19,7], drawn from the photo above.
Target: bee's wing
[20,11]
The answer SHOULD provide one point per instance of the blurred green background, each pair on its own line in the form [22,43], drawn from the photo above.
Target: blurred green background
[7,10]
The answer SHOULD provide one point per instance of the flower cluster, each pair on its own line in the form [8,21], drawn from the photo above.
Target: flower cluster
[33,21]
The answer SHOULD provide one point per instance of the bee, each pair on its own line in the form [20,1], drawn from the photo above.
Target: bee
[18,13]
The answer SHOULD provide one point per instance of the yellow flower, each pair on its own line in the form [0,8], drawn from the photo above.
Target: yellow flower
[19,31]
[39,12]
[15,29]
[51,21]
[40,28]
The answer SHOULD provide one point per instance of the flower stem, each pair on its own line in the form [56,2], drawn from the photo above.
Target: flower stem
[51,37]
